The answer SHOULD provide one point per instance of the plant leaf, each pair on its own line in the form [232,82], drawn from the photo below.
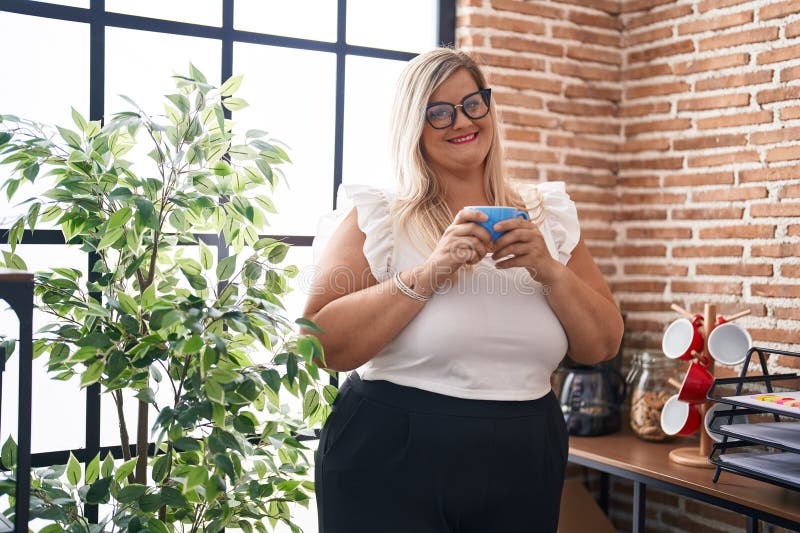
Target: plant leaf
[180,101]
[131,493]
[154,525]
[120,217]
[330,393]
[93,373]
[149,297]
[163,318]
[196,477]
[109,238]
[146,395]
[187,444]
[31,172]
[149,503]
[125,469]
[206,258]
[99,491]
[145,212]
[173,497]
[73,470]
[8,455]
[310,402]
[120,193]
[230,86]
[193,344]
[196,74]
[127,303]
[107,467]
[160,468]
[72,139]
[79,120]
[309,325]
[92,470]
[278,253]
[226,268]
[215,392]
[234,104]
[225,464]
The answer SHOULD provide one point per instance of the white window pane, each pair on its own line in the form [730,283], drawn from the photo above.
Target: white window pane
[410,25]
[206,12]
[11,210]
[369,92]
[304,19]
[140,65]
[292,95]
[58,407]
[38,88]
[36,85]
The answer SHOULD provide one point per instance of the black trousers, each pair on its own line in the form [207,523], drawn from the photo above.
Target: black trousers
[394,459]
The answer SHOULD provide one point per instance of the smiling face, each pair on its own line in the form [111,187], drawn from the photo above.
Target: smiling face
[460,149]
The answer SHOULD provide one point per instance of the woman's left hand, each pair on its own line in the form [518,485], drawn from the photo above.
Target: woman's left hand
[525,243]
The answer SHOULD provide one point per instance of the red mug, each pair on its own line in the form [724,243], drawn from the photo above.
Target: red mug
[679,418]
[696,384]
[682,337]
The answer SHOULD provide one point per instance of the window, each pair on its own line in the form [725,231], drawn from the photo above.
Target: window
[312,70]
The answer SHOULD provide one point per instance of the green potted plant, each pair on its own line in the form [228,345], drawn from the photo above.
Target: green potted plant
[159,310]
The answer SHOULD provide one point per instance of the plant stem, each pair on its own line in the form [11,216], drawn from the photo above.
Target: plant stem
[198,517]
[141,443]
[123,429]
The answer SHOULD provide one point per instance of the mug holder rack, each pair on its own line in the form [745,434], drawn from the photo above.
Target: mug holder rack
[697,456]
[738,408]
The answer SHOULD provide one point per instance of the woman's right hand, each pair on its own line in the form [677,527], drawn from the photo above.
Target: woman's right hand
[463,243]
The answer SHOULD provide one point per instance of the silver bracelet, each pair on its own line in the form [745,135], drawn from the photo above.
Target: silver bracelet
[408,291]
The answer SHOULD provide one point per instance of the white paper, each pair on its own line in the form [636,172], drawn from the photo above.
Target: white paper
[778,433]
[761,401]
[781,466]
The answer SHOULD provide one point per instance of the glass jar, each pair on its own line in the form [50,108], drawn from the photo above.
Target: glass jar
[650,389]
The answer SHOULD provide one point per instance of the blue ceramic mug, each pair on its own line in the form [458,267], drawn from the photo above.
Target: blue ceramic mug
[496,214]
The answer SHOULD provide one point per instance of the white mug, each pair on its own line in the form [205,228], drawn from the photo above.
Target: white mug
[681,338]
[728,343]
[721,421]
[679,418]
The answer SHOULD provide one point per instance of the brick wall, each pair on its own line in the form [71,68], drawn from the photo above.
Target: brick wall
[555,72]
[708,195]
[676,125]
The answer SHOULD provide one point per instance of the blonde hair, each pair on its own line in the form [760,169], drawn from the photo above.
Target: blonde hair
[420,207]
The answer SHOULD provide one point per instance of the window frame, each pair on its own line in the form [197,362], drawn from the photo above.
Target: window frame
[98,20]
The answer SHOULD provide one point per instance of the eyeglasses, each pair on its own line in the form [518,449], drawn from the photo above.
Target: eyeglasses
[441,115]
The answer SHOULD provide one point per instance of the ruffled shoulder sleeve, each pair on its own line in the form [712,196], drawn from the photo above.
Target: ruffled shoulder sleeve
[549,204]
[372,207]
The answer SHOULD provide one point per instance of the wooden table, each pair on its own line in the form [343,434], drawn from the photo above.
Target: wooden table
[647,464]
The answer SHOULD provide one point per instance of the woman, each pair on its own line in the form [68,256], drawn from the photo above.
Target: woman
[449,424]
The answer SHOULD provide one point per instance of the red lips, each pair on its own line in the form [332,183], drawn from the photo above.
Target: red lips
[463,139]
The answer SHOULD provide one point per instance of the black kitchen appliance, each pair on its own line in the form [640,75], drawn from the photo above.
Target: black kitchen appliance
[591,398]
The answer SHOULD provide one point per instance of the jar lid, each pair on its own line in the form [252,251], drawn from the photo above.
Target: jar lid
[648,359]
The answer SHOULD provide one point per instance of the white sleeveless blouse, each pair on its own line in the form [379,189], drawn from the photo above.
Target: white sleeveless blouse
[492,334]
